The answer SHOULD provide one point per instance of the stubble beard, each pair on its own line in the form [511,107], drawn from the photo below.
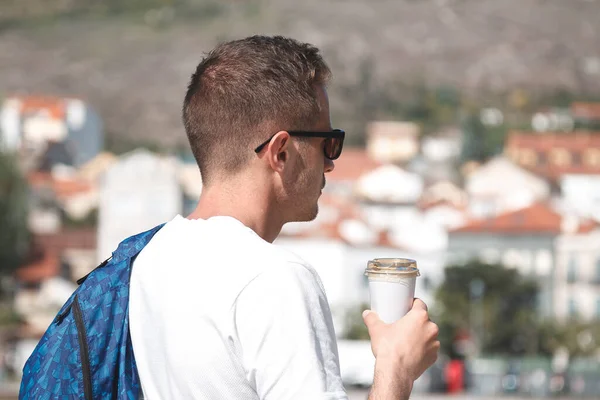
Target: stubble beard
[303,200]
[307,211]
[311,214]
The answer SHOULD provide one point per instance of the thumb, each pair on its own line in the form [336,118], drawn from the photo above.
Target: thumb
[371,319]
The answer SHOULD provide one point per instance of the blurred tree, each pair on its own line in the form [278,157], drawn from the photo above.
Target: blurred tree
[90,220]
[474,147]
[355,328]
[14,235]
[559,98]
[579,338]
[480,142]
[494,302]
[419,107]
[431,108]
[118,144]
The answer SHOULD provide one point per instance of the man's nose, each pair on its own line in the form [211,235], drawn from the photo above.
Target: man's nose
[329,165]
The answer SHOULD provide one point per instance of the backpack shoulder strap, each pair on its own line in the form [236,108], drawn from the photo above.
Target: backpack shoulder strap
[128,248]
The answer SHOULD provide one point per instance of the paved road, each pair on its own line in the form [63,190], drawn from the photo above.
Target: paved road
[362,395]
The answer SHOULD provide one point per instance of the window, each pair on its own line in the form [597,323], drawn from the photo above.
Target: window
[572,270]
[543,263]
[490,255]
[511,258]
[560,157]
[528,158]
[591,157]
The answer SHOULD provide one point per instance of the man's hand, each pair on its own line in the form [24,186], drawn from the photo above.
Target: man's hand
[408,346]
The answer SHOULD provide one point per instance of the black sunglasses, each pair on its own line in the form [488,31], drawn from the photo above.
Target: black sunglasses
[334,141]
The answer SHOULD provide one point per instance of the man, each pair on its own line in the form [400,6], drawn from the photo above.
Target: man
[216,310]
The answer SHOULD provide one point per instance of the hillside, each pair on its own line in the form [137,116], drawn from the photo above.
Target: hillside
[132,63]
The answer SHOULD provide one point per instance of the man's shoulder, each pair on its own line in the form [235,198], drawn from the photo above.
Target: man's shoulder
[286,269]
[282,259]
[244,254]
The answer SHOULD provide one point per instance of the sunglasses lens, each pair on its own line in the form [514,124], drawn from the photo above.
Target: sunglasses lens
[333,148]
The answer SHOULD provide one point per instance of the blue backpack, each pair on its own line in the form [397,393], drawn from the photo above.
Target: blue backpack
[86,353]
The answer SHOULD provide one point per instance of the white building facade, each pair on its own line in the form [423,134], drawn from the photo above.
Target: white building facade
[137,193]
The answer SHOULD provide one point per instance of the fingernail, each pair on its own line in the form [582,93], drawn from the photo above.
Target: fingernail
[365,313]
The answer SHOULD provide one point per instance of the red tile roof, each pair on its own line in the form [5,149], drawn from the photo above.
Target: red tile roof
[80,238]
[331,229]
[425,205]
[352,164]
[45,254]
[576,141]
[63,188]
[55,106]
[577,144]
[589,111]
[538,218]
[40,269]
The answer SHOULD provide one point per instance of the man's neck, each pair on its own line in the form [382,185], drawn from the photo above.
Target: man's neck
[253,208]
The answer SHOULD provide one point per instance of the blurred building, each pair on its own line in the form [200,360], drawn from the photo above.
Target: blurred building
[441,153]
[46,131]
[389,184]
[526,240]
[553,120]
[581,195]
[57,195]
[352,164]
[552,155]
[444,192]
[586,115]
[392,142]
[93,170]
[444,204]
[501,186]
[577,283]
[388,198]
[139,191]
[45,281]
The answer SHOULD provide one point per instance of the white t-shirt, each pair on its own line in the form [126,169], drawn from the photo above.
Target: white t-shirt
[216,312]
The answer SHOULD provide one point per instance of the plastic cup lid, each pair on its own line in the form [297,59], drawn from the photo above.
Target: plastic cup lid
[392,266]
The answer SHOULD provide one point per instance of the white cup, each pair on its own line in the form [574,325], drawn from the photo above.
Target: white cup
[391,286]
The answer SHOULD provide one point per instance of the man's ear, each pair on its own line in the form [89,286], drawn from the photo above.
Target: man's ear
[278,150]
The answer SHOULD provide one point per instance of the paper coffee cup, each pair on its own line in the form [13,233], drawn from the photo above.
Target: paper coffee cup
[392,286]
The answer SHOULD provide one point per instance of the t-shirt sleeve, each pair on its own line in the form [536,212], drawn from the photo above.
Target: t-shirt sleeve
[286,336]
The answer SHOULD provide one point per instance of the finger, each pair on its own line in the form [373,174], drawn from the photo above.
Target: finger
[434,348]
[371,319]
[433,357]
[434,329]
[418,303]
